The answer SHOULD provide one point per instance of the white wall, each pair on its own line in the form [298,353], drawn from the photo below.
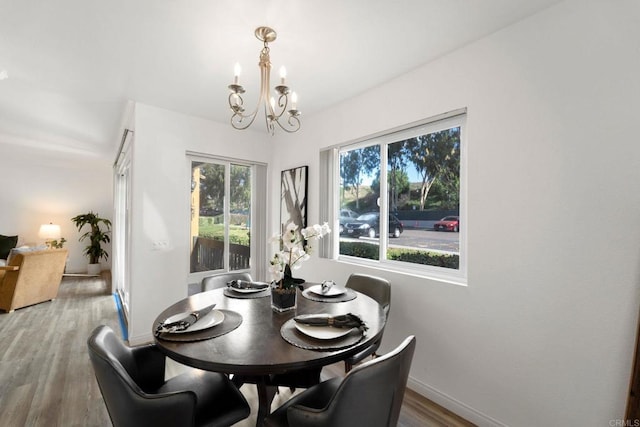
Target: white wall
[161,178]
[42,186]
[543,334]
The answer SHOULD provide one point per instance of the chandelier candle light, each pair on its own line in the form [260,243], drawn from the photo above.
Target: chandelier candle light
[273,110]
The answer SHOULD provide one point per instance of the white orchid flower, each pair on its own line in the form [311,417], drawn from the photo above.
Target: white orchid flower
[291,228]
[276,273]
[296,247]
[325,228]
[317,229]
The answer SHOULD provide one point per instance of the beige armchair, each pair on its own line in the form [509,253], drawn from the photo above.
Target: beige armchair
[31,278]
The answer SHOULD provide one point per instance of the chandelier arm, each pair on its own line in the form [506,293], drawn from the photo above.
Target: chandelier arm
[293,123]
[268,121]
[282,106]
[237,120]
[236,103]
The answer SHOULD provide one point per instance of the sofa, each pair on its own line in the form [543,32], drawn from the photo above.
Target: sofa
[31,277]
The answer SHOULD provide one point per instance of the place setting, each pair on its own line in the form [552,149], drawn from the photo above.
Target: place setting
[244,289]
[328,291]
[198,325]
[324,331]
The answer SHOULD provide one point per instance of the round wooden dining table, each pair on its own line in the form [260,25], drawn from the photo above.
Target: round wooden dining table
[256,348]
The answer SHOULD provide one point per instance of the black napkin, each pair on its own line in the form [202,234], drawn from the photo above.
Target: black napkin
[326,286]
[244,284]
[183,323]
[348,320]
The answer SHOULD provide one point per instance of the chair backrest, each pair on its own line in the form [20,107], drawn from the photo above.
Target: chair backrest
[123,382]
[220,280]
[371,394]
[376,287]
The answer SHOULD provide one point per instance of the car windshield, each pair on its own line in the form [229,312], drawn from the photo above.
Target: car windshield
[450,218]
[367,217]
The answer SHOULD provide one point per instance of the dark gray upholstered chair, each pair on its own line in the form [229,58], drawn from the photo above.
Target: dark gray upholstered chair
[369,395]
[132,383]
[221,280]
[380,290]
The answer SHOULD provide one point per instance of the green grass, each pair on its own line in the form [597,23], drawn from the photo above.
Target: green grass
[209,228]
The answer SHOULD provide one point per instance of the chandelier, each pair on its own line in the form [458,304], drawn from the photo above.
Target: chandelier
[274,110]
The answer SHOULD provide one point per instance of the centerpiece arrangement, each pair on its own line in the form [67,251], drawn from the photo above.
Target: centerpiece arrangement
[295,247]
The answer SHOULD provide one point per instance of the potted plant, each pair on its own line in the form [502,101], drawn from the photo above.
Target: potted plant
[96,236]
[296,248]
[58,244]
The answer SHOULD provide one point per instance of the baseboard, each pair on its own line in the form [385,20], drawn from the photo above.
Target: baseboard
[453,405]
[79,275]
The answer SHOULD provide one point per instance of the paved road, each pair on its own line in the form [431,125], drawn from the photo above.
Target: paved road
[422,239]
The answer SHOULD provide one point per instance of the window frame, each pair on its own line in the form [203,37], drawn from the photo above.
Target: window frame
[456,118]
[258,203]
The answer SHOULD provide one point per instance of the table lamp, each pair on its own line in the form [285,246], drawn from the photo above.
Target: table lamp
[49,232]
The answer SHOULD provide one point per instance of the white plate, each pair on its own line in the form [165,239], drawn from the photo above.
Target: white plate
[211,319]
[333,291]
[322,332]
[249,290]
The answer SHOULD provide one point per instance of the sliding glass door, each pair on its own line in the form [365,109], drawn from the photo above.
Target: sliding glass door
[122,224]
[220,229]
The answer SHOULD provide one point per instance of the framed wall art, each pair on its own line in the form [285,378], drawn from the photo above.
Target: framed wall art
[293,197]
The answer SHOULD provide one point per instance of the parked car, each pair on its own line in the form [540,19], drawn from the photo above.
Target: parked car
[346,215]
[210,212]
[448,223]
[368,224]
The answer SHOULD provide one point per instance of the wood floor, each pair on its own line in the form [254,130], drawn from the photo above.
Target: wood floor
[46,377]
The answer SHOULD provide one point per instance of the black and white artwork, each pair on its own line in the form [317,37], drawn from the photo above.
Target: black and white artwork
[293,198]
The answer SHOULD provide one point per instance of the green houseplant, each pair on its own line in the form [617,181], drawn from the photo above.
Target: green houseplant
[96,235]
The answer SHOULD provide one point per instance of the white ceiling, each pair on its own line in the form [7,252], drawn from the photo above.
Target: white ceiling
[74,64]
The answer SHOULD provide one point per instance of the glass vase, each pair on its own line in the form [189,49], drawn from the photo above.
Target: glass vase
[283,299]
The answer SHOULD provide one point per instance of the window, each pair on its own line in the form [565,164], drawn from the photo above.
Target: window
[398,198]
[220,216]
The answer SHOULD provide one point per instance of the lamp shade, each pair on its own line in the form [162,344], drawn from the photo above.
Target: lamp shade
[49,231]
